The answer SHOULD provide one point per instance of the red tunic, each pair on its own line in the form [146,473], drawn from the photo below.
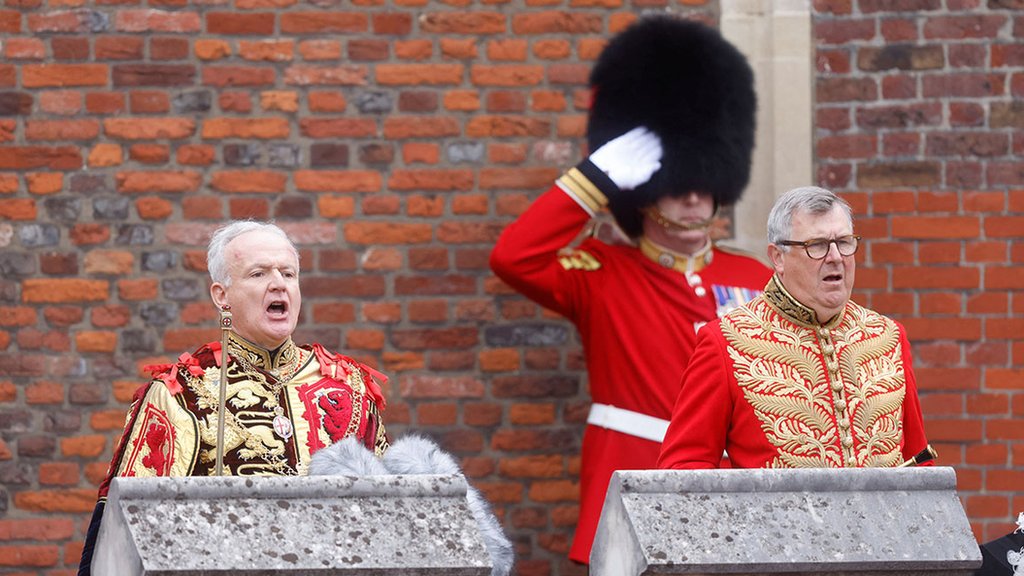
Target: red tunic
[777,390]
[636,319]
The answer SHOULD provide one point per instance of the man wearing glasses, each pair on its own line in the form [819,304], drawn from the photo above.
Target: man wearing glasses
[800,377]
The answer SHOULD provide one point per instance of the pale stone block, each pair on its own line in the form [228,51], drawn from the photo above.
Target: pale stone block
[373,525]
[867,522]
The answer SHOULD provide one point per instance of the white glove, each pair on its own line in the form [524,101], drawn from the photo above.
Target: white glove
[631,159]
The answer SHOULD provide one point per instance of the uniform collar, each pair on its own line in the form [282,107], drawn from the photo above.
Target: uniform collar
[792,309]
[282,360]
[676,260]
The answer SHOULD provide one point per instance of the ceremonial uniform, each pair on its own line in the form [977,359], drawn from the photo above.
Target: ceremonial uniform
[282,406]
[636,309]
[777,389]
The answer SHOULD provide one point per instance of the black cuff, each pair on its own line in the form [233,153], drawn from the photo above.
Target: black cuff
[599,179]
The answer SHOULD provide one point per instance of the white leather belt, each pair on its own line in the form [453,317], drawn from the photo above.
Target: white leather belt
[628,422]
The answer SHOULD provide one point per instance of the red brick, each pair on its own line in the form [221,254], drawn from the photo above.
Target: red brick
[399,128]
[419,74]
[70,500]
[23,555]
[936,227]
[425,386]
[947,378]
[953,429]
[58,473]
[987,506]
[458,23]
[118,48]
[555,22]
[156,21]
[36,157]
[240,24]
[1005,378]
[18,209]
[149,153]
[262,181]
[35,290]
[149,128]
[441,180]
[324,23]
[158,181]
[338,180]
[436,414]
[140,289]
[961,27]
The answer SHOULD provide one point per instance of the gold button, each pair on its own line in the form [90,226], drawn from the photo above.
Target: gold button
[848,441]
[841,405]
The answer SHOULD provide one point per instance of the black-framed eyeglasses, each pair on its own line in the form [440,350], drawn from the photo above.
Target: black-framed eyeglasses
[818,248]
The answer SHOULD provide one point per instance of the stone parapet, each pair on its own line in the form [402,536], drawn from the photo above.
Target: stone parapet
[794,522]
[379,525]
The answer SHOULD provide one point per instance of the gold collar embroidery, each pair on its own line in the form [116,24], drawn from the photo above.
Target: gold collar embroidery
[671,259]
[281,363]
[783,302]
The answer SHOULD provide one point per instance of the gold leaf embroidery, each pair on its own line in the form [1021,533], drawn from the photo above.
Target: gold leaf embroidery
[778,364]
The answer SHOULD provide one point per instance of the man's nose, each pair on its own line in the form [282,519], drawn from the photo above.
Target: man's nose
[277,279]
[833,252]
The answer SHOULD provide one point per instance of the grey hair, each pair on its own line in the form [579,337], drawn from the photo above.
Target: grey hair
[215,261]
[810,199]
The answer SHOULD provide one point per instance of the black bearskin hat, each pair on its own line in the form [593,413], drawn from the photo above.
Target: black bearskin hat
[691,87]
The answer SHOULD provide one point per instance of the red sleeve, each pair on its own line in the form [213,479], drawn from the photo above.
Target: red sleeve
[914,439]
[696,436]
[526,254]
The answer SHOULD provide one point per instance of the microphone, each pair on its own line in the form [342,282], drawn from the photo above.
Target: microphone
[409,455]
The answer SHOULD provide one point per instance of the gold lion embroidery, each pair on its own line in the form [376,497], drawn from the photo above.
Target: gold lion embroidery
[817,416]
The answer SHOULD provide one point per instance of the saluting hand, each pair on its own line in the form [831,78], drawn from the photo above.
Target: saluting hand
[631,159]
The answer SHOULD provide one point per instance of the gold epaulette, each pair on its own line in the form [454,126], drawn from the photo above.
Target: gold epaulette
[574,259]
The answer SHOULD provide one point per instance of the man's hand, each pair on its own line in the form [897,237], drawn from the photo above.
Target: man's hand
[631,159]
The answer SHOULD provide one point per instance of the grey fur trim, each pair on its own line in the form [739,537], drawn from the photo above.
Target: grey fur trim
[346,457]
[414,454]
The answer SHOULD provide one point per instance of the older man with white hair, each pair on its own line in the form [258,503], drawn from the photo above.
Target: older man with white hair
[283,402]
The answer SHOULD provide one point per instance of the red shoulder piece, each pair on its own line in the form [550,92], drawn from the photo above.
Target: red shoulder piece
[168,373]
[331,363]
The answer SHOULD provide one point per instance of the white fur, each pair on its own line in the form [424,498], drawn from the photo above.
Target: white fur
[346,458]
[413,454]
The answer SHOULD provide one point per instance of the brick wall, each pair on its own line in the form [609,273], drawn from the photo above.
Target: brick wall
[394,141]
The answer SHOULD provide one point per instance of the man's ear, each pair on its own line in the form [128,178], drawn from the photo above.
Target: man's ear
[219,294]
[775,257]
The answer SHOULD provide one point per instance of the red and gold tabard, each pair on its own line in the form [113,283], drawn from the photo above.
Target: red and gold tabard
[636,310]
[282,406]
[776,389]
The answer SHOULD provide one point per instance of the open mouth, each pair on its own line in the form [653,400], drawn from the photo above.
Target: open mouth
[277,308]
[834,278]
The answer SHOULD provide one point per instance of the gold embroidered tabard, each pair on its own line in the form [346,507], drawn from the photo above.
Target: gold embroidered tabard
[323,397]
[826,396]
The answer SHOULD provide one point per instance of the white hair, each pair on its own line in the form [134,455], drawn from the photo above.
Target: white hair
[811,199]
[215,261]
